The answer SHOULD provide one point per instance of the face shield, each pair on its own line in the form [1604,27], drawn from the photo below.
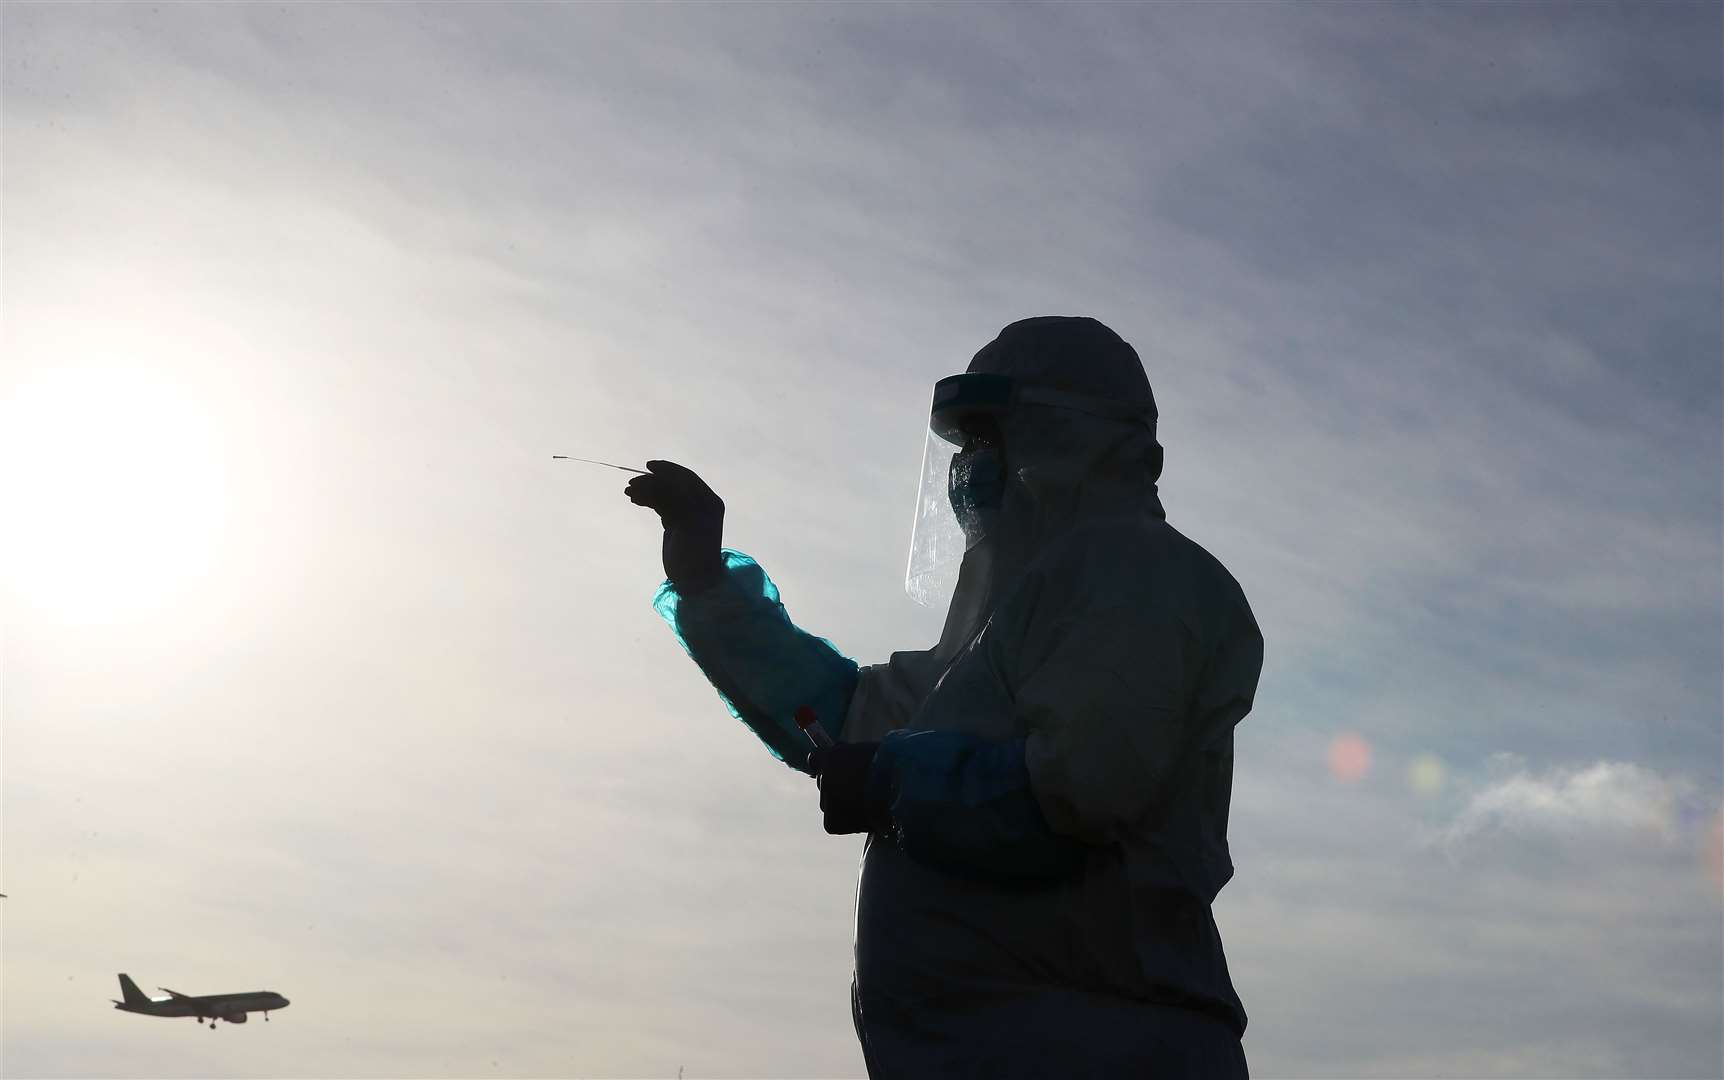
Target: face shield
[963,481]
[964,475]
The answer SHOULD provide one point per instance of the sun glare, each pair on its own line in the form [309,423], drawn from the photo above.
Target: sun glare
[113,489]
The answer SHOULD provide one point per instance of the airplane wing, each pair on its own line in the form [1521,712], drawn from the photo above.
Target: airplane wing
[174,993]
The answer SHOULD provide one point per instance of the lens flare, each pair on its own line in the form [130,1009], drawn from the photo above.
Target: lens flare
[1349,758]
[1426,774]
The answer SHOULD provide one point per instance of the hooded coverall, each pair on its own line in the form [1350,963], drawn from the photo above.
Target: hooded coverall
[1057,768]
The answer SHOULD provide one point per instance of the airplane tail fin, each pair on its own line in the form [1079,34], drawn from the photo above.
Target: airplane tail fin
[129,990]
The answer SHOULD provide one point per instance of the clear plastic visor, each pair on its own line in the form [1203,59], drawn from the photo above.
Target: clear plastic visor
[937,541]
[939,535]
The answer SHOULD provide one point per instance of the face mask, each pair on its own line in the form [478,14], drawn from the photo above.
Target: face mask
[975,486]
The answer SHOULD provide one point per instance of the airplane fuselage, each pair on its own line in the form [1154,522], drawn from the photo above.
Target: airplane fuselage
[212,1007]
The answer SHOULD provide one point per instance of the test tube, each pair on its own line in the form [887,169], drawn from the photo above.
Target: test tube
[810,725]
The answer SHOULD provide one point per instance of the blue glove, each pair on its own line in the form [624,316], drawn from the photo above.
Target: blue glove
[842,774]
[963,804]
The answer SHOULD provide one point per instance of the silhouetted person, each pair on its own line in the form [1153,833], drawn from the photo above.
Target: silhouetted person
[1045,791]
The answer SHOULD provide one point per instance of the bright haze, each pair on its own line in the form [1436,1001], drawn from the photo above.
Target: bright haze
[322,677]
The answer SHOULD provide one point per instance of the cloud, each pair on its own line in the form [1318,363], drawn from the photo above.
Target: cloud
[1567,940]
[1602,799]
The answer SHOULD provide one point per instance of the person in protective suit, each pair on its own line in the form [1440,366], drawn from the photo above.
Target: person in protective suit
[1045,791]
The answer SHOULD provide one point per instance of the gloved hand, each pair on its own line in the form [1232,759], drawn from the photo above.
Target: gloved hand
[842,774]
[693,517]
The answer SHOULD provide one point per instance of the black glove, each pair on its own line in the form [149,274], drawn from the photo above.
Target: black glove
[842,773]
[693,517]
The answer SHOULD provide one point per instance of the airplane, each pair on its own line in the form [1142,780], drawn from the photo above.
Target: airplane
[211,1007]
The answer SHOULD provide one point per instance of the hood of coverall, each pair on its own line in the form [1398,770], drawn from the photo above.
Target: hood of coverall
[1065,468]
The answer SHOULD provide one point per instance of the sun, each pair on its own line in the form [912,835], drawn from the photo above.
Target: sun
[112,494]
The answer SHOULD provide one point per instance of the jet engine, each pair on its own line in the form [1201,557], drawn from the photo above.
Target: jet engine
[235,1018]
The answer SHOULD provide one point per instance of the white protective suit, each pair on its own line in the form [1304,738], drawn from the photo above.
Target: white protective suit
[1058,766]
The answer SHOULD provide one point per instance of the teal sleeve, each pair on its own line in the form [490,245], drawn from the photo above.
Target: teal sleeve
[763,667]
[963,803]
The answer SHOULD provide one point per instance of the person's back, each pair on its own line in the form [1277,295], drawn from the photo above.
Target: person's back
[1118,960]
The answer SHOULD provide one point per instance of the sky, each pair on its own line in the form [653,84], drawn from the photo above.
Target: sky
[320,676]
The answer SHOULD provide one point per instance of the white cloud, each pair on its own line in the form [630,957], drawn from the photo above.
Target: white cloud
[1607,797]
[1551,949]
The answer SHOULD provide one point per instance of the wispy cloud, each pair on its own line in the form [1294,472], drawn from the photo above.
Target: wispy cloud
[1601,800]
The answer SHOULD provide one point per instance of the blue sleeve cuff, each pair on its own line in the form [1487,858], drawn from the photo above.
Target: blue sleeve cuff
[763,667]
[963,804]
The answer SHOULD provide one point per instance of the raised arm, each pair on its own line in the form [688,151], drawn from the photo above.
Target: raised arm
[727,615]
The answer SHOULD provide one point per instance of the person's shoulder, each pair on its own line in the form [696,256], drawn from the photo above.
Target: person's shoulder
[1139,555]
[1140,541]
[1198,561]
[1099,545]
